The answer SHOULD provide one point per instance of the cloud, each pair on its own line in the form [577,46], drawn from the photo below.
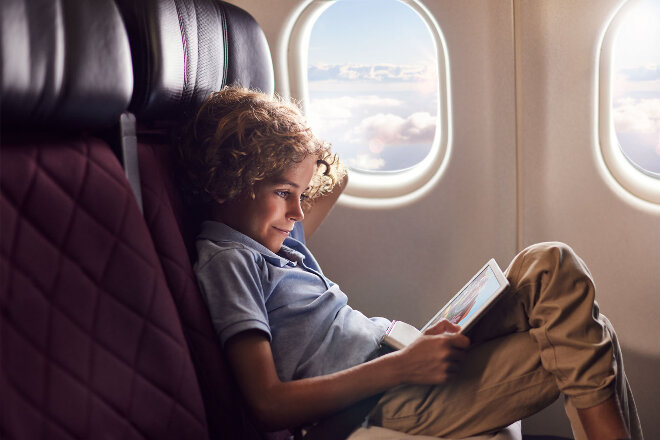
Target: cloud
[342,106]
[637,115]
[328,113]
[370,72]
[650,72]
[365,162]
[382,130]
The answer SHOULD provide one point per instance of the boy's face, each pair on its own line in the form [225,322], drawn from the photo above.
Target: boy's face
[270,216]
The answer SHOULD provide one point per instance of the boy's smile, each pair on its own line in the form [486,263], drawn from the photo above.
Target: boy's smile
[270,216]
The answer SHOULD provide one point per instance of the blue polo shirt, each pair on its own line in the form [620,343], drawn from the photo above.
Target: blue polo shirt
[311,328]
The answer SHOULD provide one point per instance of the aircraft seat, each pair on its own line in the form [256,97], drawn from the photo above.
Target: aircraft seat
[181,53]
[91,345]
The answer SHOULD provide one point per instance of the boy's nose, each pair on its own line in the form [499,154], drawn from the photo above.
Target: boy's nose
[295,211]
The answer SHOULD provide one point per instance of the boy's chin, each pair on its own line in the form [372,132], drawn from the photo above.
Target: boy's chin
[275,247]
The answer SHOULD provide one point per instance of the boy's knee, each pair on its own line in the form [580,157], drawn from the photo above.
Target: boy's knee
[552,249]
[552,255]
[554,259]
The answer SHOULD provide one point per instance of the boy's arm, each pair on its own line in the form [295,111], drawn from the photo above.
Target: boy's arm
[434,358]
[320,208]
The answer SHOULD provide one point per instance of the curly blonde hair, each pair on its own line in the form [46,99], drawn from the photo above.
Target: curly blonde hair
[241,137]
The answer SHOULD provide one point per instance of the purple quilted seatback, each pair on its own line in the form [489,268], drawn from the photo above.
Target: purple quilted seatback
[172,228]
[90,339]
[181,52]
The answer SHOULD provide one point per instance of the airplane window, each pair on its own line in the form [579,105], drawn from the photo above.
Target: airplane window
[635,82]
[372,77]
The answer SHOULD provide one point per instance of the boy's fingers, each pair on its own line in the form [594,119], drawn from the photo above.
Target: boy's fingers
[452,328]
[458,340]
[443,326]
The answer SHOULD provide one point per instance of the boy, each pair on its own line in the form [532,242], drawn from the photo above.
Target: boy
[300,353]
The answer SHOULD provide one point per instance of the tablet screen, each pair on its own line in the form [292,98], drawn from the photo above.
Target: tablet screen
[469,301]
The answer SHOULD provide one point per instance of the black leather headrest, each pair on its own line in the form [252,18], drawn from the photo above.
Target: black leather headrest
[249,62]
[66,64]
[183,50]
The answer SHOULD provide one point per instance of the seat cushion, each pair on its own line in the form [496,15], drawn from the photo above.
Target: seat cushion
[511,432]
[170,226]
[90,339]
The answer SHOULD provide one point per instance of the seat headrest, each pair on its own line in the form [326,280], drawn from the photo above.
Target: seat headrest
[249,61]
[66,64]
[184,50]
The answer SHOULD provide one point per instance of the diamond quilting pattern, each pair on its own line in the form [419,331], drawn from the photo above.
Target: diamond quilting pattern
[90,339]
[167,221]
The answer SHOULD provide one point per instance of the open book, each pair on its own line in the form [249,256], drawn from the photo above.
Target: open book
[464,309]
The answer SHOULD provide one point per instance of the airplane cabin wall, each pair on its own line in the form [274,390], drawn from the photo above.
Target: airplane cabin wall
[524,166]
[568,194]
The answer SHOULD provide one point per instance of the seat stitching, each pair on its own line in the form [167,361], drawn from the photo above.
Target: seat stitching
[37,229]
[98,343]
[40,168]
[77,206]
[54,180]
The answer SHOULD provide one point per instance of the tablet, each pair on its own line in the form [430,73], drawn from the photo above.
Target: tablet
[474,299]
[464,309]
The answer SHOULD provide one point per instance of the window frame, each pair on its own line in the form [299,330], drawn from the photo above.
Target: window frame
[385,187]
[629,176]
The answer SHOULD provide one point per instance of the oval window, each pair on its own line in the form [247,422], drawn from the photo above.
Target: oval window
[372,78]
[635,96]
[629,96]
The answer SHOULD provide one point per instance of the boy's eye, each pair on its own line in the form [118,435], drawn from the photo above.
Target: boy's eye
[286,194]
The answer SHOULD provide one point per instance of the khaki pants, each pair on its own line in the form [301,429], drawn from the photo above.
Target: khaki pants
[544,337]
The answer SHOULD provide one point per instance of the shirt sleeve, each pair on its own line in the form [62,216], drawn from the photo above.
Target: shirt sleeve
[231,283]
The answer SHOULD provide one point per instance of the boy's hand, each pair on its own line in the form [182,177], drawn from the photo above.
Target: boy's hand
[435,357]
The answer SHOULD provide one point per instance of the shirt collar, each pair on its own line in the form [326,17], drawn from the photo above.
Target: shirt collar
[216,231]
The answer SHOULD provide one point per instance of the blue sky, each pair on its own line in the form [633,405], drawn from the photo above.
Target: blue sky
[369,32]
